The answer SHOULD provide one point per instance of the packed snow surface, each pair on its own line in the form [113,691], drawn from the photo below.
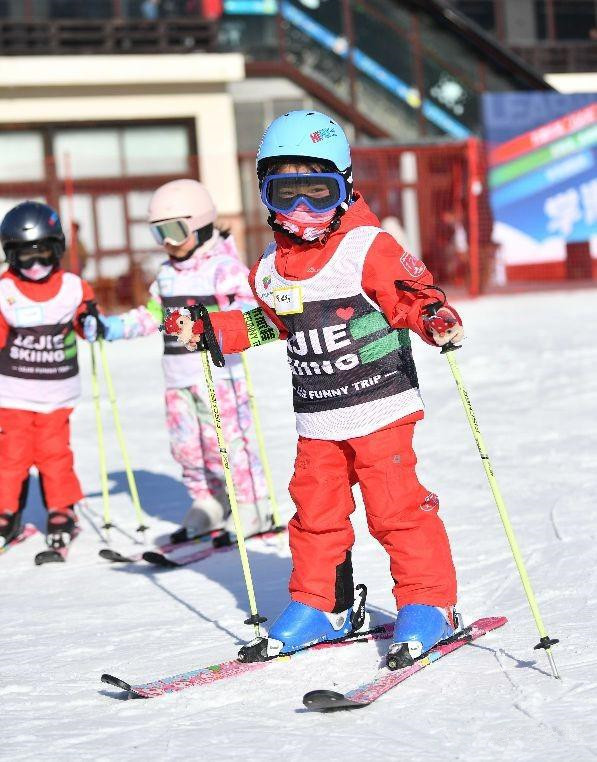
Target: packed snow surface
[530,366]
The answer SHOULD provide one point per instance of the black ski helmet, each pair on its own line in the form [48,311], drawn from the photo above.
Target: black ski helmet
[28,224]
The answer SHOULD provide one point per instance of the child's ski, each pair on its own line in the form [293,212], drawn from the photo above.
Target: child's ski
[231,668]
[169,547]
[28,530]
[208,545]
[385,680]
[56,554]
[160,559]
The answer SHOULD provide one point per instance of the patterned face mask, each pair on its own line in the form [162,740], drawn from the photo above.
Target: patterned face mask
[37,271]
[304,223]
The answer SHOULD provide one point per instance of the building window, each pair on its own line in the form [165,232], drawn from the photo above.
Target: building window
[573,19]
[121,152]
[100,178]
[21,157]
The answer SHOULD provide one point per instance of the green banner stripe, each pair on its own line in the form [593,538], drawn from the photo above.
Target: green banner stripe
[584,139]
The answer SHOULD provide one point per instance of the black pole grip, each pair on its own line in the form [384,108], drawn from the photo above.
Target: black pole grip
[200,312]
[92,310]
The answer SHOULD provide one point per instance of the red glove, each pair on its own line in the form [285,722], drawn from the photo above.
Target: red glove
[444,326]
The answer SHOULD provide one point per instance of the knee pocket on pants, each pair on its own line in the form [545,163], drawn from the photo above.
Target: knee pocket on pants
[402,484]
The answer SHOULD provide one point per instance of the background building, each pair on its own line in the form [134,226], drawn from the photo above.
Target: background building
[103,100]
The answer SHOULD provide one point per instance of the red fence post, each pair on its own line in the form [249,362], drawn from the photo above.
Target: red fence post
[474,191]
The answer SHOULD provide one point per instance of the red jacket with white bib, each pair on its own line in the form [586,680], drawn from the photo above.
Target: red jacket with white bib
[38,346]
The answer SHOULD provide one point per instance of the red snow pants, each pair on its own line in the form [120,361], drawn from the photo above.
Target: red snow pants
[401,515]
[42,440]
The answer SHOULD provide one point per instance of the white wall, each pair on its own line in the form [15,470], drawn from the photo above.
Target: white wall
[573,83]
[50,89]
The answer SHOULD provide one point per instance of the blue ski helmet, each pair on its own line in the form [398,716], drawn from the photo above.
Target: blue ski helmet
[309,134]
[312,136]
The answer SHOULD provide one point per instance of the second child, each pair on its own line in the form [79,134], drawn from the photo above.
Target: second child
[204,266]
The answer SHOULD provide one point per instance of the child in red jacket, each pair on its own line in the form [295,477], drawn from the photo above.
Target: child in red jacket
[39,376]
[344,295]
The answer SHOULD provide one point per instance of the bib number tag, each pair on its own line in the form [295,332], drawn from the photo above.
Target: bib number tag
[29,316]
[288,300]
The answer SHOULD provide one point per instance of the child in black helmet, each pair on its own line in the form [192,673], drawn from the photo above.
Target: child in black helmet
[39,376]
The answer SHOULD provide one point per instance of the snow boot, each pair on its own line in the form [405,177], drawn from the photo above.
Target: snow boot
[418,628]
[62,526]
[203,517]
[10,527]
[255,518]
[300,626]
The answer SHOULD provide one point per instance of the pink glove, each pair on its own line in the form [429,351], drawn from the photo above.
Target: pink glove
[444,326]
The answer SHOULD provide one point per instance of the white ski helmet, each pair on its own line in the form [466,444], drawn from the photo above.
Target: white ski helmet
[183,200]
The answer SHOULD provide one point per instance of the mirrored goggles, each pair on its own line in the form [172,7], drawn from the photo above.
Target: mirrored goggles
[319,191]
[171,231]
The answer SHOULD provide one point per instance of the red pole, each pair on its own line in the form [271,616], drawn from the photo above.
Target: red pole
[551,20]
[474,191]
[69,190]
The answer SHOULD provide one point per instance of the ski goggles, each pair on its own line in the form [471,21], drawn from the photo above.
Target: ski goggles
[27,256]
[174,232]
[319,191]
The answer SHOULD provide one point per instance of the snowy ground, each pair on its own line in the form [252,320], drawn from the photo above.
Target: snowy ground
[530,365]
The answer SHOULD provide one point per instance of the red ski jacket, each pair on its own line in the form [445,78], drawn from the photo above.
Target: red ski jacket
[385,263]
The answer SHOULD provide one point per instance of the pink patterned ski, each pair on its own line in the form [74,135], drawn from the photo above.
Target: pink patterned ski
[227,669]
[385,680]
[27,531]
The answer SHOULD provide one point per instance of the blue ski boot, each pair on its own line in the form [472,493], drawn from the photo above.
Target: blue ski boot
[418,628]
[300,626]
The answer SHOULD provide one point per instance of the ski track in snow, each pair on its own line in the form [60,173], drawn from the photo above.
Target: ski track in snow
[529,364]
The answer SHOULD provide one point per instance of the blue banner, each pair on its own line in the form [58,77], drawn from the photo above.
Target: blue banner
[542,157]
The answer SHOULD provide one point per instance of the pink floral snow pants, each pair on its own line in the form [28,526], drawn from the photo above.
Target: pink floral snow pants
[194,444]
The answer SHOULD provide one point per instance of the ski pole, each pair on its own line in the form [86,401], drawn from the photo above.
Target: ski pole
[261,444]
[545,642]
[100,441]
[212,348]
[120,436]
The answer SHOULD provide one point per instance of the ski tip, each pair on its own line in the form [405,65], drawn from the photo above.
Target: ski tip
[113,555]
[159,560]
[116,682]
[48,557]
[325,701]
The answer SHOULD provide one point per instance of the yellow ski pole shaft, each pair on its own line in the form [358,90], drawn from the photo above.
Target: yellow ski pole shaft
[261,444]
[255,619]
[120,436]
[100,440]
[546,642]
